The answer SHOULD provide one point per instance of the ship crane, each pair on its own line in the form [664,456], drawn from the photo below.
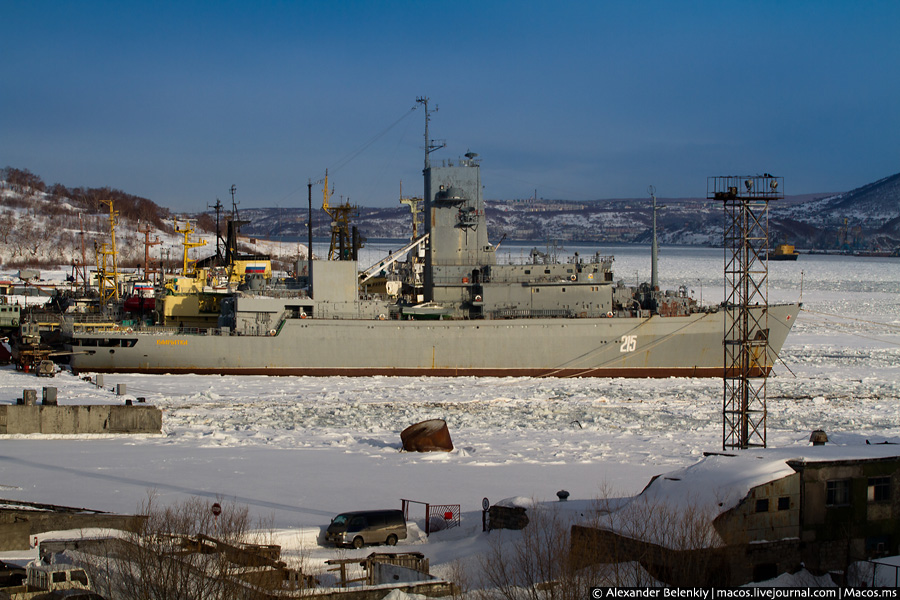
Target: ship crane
[107,260]
[383,264]
[188,268]
[344,238]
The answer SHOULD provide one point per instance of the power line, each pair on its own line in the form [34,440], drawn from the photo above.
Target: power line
[344,161]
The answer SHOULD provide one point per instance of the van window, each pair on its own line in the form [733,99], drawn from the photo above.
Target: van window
[357,524]
[79,577]
[59,576]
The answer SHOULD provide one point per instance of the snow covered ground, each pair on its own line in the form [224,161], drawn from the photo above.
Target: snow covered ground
[297,451]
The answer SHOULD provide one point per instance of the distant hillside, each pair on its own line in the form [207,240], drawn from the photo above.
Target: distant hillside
[24,184]
[55,226]
[41,224]
[865,219]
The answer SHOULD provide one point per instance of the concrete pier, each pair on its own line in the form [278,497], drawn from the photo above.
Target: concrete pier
[68,419]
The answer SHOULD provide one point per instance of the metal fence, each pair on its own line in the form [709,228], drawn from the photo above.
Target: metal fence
[437,516]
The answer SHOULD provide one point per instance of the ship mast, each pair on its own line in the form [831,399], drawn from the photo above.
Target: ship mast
[219,241]
[430,145]
[654,247]
[147,230]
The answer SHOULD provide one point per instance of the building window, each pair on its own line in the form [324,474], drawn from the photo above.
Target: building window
[837,492]
[784,503]
[879,489]
[762,505]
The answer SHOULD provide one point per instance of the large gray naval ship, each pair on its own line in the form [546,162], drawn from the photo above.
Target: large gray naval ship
[443,306]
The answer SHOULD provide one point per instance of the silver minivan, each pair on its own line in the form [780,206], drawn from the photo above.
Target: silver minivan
[367,527]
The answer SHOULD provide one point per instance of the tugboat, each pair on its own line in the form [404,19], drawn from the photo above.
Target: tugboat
[783,252]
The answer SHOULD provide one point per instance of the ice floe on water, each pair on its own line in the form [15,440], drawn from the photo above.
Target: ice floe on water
[297,450]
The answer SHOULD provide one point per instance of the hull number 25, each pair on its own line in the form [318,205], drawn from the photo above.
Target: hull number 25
[629,343]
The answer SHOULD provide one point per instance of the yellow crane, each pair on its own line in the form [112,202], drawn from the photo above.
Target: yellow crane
[188,269]
[342,245]
[107,261]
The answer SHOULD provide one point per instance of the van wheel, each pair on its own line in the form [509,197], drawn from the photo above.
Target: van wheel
[392,540]
[357,542]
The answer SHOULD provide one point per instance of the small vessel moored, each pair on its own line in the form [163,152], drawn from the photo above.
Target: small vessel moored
[783,252]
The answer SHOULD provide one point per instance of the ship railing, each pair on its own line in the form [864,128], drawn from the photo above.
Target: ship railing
[80,322]
[527,313]
[72,326]
[174,330]
[326,312]
[455,281]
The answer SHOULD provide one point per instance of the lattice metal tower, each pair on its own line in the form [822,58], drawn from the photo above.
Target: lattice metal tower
[748,359]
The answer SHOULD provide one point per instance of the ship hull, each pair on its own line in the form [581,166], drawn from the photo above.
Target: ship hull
[687,346]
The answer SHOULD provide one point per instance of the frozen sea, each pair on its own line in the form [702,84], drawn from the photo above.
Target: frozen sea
[299,450]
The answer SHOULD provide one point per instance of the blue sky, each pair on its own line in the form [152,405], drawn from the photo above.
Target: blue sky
[177,101]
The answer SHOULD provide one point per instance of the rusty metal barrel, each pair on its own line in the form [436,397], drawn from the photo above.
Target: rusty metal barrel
[427,436]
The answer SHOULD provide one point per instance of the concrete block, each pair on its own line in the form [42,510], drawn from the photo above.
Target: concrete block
[23,419]
[49,398]
[135,419]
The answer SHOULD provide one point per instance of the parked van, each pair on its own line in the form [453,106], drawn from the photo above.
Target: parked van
[367,527]
[41,580]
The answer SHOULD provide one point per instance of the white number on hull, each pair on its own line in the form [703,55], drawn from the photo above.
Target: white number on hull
[629,343]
